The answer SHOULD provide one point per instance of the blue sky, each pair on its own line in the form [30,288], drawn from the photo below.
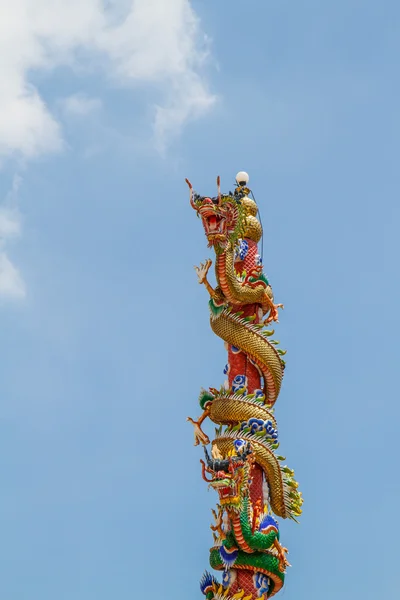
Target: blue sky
[104,110]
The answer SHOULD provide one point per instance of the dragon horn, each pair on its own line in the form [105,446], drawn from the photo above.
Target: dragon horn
[191,194]
[208,459]
[203,471]
[219,189]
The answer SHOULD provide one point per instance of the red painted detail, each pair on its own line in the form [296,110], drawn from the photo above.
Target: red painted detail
[250,260]
[239,536]
[241,365]
[244,581]
[256,488]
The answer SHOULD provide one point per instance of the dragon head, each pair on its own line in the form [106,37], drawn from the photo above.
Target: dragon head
[230,477]
[223,216]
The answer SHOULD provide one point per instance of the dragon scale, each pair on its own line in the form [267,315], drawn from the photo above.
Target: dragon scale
[242,464]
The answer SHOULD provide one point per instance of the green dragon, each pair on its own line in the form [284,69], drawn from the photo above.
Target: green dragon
[249,538]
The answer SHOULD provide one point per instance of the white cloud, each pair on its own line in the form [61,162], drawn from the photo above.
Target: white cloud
[155,43]
[11,282]
[9,224]
[81,105]
[147,42]
[26,126]
[189,101]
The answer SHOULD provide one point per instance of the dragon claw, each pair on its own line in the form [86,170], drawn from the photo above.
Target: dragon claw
[283,561]
[202,270]
[273,313]
[199,436]
[218,518]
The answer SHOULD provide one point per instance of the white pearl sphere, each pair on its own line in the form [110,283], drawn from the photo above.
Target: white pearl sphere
[242,178]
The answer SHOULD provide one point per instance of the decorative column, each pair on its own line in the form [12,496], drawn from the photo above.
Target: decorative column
[241,463]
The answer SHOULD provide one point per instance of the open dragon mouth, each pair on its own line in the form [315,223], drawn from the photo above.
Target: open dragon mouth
[229,476]
[225,487]
[229,495]
[214,223]
[228,492]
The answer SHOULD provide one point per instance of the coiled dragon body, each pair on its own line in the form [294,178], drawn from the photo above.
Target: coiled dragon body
[244,468]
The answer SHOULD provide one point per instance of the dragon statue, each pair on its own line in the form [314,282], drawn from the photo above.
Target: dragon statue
[244,468]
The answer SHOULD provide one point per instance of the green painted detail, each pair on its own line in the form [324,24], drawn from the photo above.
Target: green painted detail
[216,309]
[256,540]
[256,561]
[260,277]
[205,398]
[259,542]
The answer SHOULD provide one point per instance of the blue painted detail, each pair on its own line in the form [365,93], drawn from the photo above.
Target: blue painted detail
[260,426]
[228,577]
[235,350]
[258,260]
[226,369]
[239,444]
[228,557]
[239,383]
[206,582]
[241,250]
[268,521]
[261,583]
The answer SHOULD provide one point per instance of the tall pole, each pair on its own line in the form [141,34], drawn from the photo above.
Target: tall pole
[241,463]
